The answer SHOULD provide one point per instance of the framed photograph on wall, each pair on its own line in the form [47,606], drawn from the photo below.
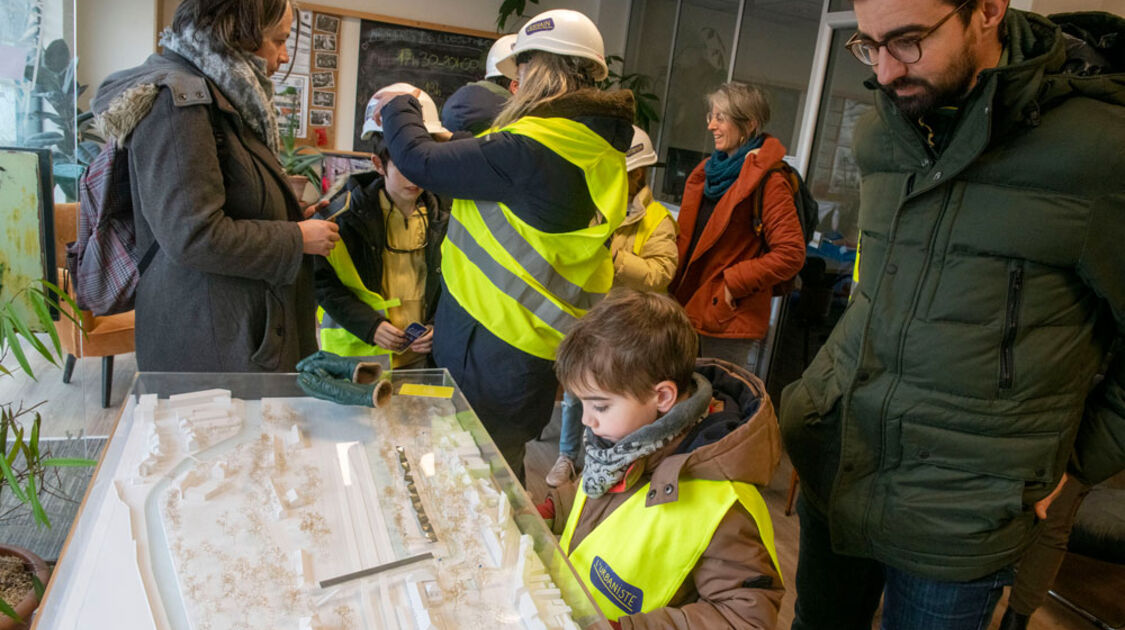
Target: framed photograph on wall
[326,42]
[323,98]
[327,23]
[323,79]
[320,117]
[325,61]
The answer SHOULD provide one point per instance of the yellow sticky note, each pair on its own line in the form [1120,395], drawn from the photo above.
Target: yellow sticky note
[429,391]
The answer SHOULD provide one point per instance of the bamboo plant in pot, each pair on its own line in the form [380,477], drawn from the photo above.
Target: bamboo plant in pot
[27,469]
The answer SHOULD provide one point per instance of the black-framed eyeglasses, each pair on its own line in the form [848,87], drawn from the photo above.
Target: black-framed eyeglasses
[905,48]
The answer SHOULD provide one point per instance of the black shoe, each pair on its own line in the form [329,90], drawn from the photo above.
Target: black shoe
[1014,621]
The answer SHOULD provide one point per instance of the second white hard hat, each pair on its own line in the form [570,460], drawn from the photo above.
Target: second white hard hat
[501,49]
[562,32]
[641,152]
[429,111]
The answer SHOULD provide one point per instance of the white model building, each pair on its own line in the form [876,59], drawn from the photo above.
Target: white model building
[256,514]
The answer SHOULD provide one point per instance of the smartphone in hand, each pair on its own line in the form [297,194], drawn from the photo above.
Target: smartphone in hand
[413,332]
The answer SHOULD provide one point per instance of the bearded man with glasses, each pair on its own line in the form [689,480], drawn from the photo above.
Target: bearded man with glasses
[971,376]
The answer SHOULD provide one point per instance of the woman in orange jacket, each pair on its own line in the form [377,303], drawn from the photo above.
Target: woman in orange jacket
[729,263]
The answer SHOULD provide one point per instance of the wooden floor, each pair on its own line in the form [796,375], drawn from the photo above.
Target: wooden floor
[541,455]
[71,409]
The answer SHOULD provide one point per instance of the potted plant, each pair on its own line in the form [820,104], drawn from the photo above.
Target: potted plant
[301,163]
[27,469]
[66,129]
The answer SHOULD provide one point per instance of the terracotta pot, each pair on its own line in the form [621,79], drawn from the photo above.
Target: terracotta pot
[30,602]
[298,184]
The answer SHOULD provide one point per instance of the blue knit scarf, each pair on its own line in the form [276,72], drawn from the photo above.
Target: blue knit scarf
[722,170]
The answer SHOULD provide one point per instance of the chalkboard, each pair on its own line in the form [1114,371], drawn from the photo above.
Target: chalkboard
[438,62]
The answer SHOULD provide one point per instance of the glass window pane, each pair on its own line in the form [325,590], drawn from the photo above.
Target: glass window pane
[833,179]
[700,63]
[833,176]
[775,52]
[651,24]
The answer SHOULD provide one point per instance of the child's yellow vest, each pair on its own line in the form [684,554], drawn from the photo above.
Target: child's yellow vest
[636,559]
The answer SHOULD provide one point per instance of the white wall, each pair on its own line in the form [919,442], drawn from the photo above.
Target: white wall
[112,36]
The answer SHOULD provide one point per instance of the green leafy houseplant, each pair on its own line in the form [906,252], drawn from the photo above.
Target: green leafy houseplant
[71,138]
[640,85]
[27,469]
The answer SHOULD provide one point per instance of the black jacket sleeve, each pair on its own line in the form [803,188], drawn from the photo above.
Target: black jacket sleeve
[336,299]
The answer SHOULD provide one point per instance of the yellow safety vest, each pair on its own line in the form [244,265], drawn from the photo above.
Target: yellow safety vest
[333,336]
[655,212]
[638,557]
[526,286]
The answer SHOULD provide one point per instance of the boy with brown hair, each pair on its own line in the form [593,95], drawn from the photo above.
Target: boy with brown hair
[667,529]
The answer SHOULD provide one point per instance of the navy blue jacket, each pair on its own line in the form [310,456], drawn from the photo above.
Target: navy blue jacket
[537,184]
[473,107]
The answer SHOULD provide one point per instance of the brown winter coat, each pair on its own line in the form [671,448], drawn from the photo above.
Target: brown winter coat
[729,252]
[734,584]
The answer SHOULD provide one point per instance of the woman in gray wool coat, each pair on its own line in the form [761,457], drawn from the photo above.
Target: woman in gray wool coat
[229,287]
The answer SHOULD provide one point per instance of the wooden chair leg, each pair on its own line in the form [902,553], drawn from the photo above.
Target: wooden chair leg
[68,369]
[107,379]
[792,493]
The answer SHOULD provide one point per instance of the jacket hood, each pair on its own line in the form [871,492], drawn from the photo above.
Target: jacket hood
[609,113]
[126,96]
[638,207]
[738,441]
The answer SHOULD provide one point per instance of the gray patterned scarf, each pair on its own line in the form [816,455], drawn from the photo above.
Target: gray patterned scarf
[240,75]
[607,463]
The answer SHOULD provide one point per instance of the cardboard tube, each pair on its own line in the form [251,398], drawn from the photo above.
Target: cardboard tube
[382,394]
[367,372]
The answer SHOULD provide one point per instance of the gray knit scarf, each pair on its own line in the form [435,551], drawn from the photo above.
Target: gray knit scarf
[607,463]
[240,75]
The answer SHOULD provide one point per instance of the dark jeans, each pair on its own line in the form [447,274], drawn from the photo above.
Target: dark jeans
[837,592]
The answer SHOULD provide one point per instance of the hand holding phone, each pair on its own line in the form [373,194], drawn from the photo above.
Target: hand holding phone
[413,332]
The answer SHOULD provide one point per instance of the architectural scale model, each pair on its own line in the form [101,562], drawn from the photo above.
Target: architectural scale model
[298,513]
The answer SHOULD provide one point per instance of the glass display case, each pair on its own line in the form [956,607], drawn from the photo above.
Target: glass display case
[235,501]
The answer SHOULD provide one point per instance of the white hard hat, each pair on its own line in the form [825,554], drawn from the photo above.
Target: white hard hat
[429,111]
[559,31]
[640,153]
[502,48]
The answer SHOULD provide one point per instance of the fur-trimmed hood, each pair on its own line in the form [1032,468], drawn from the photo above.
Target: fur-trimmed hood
[609,113]
[126,97]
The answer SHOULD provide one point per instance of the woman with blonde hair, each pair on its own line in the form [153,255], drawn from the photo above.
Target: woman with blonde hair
[731,257]
[536,199]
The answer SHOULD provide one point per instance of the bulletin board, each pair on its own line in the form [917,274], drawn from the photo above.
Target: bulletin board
[305,89]
[434,57]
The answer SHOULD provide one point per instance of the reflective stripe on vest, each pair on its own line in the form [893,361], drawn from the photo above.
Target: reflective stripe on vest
[526,286]
[333,337]
[654,214]
[638,557]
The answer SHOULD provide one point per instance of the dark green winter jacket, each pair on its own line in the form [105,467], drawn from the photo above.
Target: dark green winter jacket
[950,395]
